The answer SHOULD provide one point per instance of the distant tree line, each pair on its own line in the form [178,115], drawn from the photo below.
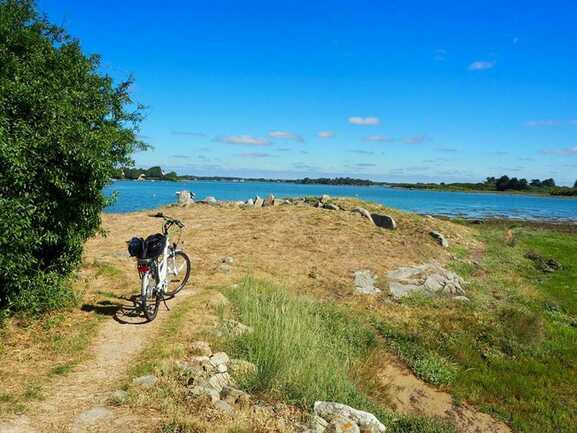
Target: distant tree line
[154,173]
[336,181]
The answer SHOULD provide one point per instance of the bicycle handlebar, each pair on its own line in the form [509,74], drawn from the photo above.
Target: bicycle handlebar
[171,221]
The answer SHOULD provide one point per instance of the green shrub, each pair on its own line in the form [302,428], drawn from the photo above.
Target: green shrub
[304,351]
[64,127]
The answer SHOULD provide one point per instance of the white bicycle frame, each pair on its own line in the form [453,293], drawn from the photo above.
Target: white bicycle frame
[161,269]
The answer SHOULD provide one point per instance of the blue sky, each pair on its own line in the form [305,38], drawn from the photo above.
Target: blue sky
[387,90]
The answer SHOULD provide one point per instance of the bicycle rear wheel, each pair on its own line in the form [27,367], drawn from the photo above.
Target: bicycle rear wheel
[178,272]
[150,296]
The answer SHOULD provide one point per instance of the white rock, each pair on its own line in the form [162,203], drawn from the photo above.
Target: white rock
[362,211]
[365,283]
[365,420]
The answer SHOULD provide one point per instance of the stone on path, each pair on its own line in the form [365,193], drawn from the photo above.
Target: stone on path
[363,212]
[90,418]
[365,283]
[384,221]
[440,238]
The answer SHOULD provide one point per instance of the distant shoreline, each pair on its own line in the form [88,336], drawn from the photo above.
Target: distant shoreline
[369,184]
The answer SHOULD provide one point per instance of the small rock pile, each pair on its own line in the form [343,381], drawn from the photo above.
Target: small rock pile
[210,376]
[331,417]
[429,279]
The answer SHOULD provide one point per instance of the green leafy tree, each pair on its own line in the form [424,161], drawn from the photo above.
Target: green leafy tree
[575,185]
[64,128]
[549,183]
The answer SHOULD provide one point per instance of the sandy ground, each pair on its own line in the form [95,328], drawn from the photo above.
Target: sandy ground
[312,251]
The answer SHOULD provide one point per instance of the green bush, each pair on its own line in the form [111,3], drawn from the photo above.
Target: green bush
[64,128]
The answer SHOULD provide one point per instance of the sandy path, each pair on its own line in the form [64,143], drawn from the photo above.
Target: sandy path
[77,400]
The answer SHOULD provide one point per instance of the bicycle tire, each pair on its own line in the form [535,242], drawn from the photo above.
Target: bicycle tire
[150,305]
[186,275]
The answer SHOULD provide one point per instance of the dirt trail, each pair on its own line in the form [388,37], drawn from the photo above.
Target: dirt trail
[76,403]
[408,394]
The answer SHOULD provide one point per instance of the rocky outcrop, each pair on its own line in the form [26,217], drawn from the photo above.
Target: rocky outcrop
[363,212]
[343,418]
[365,282]
[384,221]
[269,201]
[184,198]
[428,279]
[440,238]
[258,202]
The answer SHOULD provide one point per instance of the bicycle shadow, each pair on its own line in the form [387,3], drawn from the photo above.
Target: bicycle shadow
[126,312]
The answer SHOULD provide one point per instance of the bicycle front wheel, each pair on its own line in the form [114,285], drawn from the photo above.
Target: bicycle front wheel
[149,295]
[178,272]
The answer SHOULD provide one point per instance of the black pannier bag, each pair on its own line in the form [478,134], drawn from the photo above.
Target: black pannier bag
[135,247]
[154,246]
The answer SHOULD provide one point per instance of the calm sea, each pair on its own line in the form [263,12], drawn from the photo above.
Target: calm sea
[133,196]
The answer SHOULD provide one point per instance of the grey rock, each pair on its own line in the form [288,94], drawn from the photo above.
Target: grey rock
[318,424]
[225,268]
[210,200]
[365,282]
[219,380]
[204,390]
[184,198]
[331,206]
[145,381]
[461,298]
[233,395]
[119,396]
[440,238]
[324,198]
[258,202]
[224,407]
[278,202]
[268,201]
[249,203]
[219,358]
[384,221]
[429,279]
[363,212]
[366,421]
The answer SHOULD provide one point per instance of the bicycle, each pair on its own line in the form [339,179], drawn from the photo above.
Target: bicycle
[163,268]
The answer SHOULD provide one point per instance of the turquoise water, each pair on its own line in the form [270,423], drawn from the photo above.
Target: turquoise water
[133,196]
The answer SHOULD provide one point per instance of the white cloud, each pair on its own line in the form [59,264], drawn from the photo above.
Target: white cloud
[285,135]
[245,140]
[415,139]
[355,120]
[568,151]
[481,65]
[255,155]
[545,122]
[380,138]
[326,134]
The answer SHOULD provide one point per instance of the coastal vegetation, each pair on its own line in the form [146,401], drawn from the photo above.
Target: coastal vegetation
[64,127]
